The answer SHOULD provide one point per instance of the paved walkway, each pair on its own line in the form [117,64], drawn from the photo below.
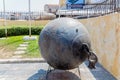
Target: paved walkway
[20,50]
[37,71]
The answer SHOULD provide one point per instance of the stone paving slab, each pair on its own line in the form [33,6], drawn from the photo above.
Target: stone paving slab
[16,57]
[37,71]
[21,48]
[2,38]
[23,45]
[86,72]
[19,52]
[25,42]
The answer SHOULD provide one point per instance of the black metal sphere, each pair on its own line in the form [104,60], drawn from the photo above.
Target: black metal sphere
[61,41]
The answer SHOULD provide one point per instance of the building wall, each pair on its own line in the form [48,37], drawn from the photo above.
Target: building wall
[51,8]
[62,2]
[105,37]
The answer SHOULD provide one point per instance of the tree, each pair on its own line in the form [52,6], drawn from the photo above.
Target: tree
[72,1]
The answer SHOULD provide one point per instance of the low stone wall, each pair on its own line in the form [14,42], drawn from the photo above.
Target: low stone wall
[105,37]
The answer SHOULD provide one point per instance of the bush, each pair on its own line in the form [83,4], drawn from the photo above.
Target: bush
[15,31]
[2,32]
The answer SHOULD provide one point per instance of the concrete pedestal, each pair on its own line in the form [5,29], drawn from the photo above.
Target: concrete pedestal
[29,38]
[63,75]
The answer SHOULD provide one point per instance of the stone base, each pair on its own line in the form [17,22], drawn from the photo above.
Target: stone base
[63,75]
[29,38]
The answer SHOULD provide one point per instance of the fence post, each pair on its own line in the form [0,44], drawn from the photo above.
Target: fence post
[4,18]
[29,18]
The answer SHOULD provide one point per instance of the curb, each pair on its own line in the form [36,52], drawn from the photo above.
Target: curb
[26,60]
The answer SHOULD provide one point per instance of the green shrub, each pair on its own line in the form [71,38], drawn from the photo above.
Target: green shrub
[15,31]
[2,32]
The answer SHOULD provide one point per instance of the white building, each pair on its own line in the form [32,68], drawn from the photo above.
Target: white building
[51,8]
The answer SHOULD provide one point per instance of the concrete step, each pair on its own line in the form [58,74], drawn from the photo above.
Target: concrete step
[29,38]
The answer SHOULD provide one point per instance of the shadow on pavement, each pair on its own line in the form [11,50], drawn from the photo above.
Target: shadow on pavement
[40,75]
[100,73]
[54,75]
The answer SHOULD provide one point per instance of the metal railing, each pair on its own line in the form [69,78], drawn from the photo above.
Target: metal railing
[93,10]
[25,15]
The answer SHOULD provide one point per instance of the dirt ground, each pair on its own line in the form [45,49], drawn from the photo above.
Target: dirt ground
[5,54]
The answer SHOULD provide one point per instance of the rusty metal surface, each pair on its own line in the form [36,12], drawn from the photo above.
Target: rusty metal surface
[61,41]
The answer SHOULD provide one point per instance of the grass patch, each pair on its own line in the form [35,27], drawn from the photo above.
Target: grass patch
[11,42]
[8,47]
[32,49]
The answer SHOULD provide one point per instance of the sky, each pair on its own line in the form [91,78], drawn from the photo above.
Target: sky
[22,5]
